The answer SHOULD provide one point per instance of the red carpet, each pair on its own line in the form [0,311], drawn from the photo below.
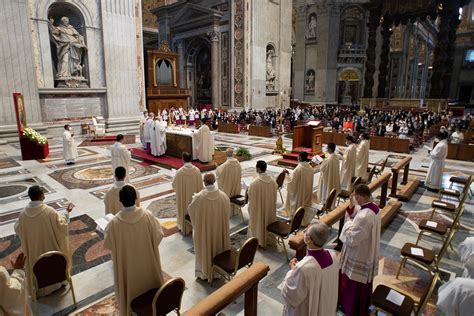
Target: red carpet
[168,162]
[107,140]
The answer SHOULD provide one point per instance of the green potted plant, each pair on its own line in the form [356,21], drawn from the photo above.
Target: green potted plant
[243,152]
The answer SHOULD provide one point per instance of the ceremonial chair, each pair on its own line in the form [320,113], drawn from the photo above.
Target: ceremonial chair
[451,208]
[280,180]
[282,230]
[345,194]
[429,260]
[51,268]
[462,181]
[327,206]
[229,262]
[408,303]
[160,301]
[378,171]
[240,201]
[370,176]
[455,193]
[98,129]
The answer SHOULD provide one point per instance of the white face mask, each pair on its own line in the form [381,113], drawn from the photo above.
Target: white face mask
[354,201]
[306,239]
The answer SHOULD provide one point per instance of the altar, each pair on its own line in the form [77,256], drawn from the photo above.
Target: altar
[179,141]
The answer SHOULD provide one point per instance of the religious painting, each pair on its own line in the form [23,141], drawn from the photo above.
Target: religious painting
[20,111]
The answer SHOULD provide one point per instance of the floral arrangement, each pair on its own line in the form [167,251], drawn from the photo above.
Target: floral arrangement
[243,152]
[34,136]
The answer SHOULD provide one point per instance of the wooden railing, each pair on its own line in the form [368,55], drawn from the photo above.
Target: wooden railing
[246,282]
[228,128]
[262,131]
[405,193]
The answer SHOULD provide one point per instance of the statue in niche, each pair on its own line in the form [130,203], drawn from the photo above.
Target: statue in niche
[309,81]
[70,48]
[347,89]
[311,27]
[271,75]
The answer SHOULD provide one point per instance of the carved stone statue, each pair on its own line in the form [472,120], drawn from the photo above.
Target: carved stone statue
[309,81]
[271,76]
[347,89]
[311,27]
[70,48]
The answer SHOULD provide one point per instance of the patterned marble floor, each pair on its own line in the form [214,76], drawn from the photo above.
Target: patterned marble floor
[85,183]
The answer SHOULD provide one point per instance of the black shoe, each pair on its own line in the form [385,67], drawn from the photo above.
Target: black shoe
[433,190]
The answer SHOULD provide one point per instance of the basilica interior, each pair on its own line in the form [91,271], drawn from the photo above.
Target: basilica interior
[272,79]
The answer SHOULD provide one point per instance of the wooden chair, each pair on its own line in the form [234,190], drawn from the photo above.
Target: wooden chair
[229,262]
[345,194]
[49,269]
[280,180]
[328,204]
[240,201]
[378,171]
[451,208]
[462,181]
[370,177]
[381,303]
[160,301]
[282,230]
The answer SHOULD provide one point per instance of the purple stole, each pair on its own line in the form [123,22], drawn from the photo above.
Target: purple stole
[322,256]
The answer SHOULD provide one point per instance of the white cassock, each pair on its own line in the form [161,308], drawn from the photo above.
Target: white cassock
[158,142]
[142,130]
[362,159]
[120,157]
[69,147]
[348,167]
[204,143]
[13,293]
[41,229]
[112,200]
[186,183]
[229,178]
[309,289]
[329,178]
[133,237]
[209,212]
[262,194]
[149,126]
[438,159]
[456,297]
[300,191]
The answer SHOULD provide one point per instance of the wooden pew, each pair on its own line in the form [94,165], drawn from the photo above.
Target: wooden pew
[392,144]
[409,188]
[387,212]
[228,128]
[462,151]
[246,282]
[261,131]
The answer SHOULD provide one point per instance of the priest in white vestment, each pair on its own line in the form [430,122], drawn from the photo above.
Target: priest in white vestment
[438,159]
[14,290]
[348,164]
[362,157]
[133,236]
[120,156]
[204,143]
[311,285]
[158,142]
[360,252]
[149,129]
[112,199]
[209,212]
[41,229]
[69,146]
[300,189]
[329,175]
[229,176]
[186,183]
[262,194]
[142,127]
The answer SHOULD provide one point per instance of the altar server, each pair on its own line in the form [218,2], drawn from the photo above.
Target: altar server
[204,143]
[438,159]
[112,198]
[191,117]
[14,290]
[360,252]
[149,129]
[41,229]
[262,194]
[329,175]
[142,127]
[186,183]
[69,146]
[300,189]
[133,236]
[229,176]
[120,156]
[348,163]
[362,157]
[164,114]
[158,144]
[311,285]
[209,212]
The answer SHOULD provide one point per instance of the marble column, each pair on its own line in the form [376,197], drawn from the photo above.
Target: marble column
[182,64]
[214,36]
[383,67]
[374,22]
[424,79]
[414,76]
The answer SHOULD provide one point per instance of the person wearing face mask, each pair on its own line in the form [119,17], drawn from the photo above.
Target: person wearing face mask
[69,146]
[438,159]
[360,252]
[209,212]
[329,175]
[348,164]
[362,157]
[310,287]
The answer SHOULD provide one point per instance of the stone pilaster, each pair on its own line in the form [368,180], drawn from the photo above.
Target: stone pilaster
[383,67]
[374,22]
[214,37]
[182,64]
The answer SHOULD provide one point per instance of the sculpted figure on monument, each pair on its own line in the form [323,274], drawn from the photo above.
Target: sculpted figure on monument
[310,81]
[311,27]
[70,47]
[271,76]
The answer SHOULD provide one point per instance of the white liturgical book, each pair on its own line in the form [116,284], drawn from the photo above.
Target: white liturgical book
[103,222]
[246,182]
[427,148]
[317,159]
[431,224]
[416,251]
[395,297]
